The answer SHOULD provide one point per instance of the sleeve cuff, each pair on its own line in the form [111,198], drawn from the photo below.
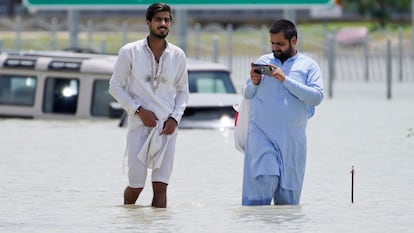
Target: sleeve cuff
[174,119]
[133,109]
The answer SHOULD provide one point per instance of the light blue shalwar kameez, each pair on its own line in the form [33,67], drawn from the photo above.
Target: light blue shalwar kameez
[275,155]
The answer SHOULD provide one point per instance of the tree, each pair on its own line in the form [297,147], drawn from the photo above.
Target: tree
[378,9]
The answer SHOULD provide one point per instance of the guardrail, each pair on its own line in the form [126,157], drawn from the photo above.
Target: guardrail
[380,56]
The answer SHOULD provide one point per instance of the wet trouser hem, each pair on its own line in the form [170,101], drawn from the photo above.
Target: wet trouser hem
[246,201]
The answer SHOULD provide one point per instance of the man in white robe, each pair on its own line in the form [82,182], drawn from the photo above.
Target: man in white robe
[150,82]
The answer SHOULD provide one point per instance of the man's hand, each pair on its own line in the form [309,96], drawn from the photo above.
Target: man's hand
[148,118]
[254,75]
[169,126]
[277,73]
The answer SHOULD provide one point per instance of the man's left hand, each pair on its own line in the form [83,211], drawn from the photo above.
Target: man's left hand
[277,73]
[169,126]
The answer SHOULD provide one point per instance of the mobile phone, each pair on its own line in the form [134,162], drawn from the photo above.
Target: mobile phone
[263,69]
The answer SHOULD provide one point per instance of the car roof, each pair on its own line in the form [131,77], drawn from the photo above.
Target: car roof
[89,62]
[201,65]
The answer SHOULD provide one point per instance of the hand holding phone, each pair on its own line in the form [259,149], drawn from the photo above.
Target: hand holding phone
[263,69]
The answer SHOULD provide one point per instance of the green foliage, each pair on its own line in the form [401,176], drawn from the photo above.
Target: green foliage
[377,9]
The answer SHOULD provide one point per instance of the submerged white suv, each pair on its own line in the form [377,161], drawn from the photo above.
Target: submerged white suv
[75,85]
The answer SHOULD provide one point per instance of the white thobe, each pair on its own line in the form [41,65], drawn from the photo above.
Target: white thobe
[138,81]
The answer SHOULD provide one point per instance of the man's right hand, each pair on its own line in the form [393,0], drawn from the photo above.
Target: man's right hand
[254,75]
[147,117]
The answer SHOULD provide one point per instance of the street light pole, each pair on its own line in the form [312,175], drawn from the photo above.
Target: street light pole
[73,26]
[412,24]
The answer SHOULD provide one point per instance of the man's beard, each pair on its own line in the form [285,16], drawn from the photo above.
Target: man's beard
[283,55]
[160,35]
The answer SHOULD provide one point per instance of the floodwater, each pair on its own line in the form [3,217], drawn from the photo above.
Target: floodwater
[66,176]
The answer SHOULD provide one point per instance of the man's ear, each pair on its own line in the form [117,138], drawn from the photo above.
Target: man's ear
[294,40]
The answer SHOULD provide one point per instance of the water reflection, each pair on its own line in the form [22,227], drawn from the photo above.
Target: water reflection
[148,219]
[274,217]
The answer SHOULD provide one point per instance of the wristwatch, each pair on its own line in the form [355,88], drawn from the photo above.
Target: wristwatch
[137,111]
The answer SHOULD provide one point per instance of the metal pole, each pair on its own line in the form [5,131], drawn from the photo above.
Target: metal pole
[53,30]
[124,32]
[352,184]
[331,62]
[182,28]
[389,67]
[230,46]
[400,54]
[265,39]
[290,14]
[89,28]
[300,39]
[412,25]
[18,28]
[103,45]
[366,56]
[215,49]
[73,21]
[197,45]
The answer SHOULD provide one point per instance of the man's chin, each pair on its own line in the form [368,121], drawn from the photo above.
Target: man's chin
[278,57]
[161,35]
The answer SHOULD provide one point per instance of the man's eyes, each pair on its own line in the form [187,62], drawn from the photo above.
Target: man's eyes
[278,44]
[160,19]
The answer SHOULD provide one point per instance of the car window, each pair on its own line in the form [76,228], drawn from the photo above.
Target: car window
[17,90]
[210,82]
[101,98]
[61,95]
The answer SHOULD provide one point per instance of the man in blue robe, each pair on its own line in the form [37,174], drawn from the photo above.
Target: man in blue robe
[281,102]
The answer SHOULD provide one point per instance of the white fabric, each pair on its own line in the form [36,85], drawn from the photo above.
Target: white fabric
[241,128]
[132,85]
[153,151]
[136,169]
[135,67]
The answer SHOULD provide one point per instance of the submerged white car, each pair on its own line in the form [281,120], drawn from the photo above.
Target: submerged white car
[212,97]
[67,85]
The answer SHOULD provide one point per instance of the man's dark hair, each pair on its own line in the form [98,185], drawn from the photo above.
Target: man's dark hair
[155,8]
[283,25]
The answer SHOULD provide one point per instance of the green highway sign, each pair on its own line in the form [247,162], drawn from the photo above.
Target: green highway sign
[187,4]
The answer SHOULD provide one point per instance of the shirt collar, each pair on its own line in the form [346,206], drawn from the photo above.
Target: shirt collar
[294,57]
[167,46]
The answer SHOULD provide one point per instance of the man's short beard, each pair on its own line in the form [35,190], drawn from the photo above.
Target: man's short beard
[159,36]
[284,55]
